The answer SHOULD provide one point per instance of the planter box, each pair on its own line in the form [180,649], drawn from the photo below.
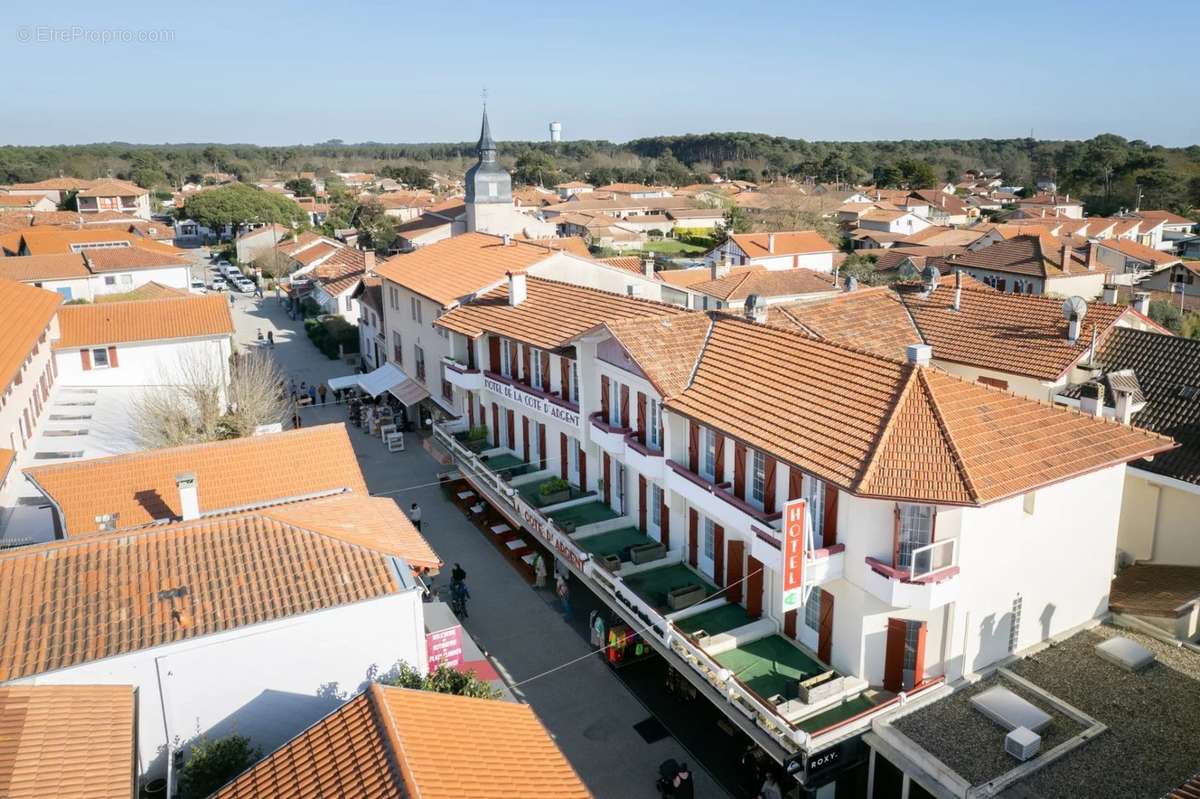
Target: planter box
[476,445]
[644,553]
[555,497]
[611,562]
[684,597]
[821,687]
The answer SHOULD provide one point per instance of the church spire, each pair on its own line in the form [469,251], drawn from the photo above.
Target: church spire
[487,147]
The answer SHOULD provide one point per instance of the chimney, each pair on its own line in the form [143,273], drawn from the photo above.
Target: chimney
[1074,326]
[1066,257]
[189,500]
[505,240]
[771,242]
[369,262]
[958,289]
[516,288]
[720,267]
[1141,302]
[755,309]
[919,354]
[648,267]
[1091,398]
[1110,294]
[1092,256]
[1124,402]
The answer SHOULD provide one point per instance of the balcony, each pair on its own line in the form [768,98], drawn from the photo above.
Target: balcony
[716,500]
[930,581]
[610,438]
[644,460]
[820,565]
[459,375]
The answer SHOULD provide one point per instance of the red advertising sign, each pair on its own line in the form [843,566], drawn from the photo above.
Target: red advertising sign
[795,518]
[445,648]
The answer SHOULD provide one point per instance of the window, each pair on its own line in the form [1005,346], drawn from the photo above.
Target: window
[574,394]
[394,298]
[1029,501]
[656,499]
[493,189]
[535,363]
[812,610]
[1014,629]
[653,422]
[709,466]
[912,632]
[100,358]
[348,301]
[126,280]
[110,280]
[710,538]
[419,357]
[397,348]
[505,358]
[916,530]
[758,480]
[614,403]
[814,497]
[573,458]
[416,309]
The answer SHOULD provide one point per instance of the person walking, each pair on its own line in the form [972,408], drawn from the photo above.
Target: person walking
[685,786]
[312,395]
[458,573]
[414,512]
[539,571]
[296,419]
[564,595]
[770,788]
[271,339]
[321,391]
[292,388]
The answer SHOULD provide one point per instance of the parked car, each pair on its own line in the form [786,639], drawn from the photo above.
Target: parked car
[218,283]
[197,286]
[231,272]
[244,284]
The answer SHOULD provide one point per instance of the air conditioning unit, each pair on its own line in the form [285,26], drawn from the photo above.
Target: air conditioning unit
[1022,743]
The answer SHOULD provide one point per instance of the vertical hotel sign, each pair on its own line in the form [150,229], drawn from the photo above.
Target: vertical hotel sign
[795,517]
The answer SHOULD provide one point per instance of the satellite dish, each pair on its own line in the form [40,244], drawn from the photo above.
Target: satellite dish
[931,275]
[1074,309]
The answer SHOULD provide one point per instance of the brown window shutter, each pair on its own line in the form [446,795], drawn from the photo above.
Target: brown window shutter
[893,662]
[545,356]
[739,470]
[734,561]
[829,528]
[896,535]
[542,446]
[825,628]
[768,484]
[112,358]
[919,660]
[719,555]
[471,354]
[495,425]
[664,514]
[624,406]
[693,447]
[514,362]
[604,397]
[605,467]
[85,356]
[795,483]
[510,424]
[789,624]
[641,417]
[564,377]
[583,468]
[526,365]
[719,460]
[562,455]
[470,413]
[933,526]
[494,353]
[641,503]
[525,438]
[754,587]
[693,536]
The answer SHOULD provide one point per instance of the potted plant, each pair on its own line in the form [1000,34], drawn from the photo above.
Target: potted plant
[477,438]
[554,490]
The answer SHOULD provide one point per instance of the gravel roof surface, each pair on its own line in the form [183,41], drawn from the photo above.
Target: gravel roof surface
[1152,743]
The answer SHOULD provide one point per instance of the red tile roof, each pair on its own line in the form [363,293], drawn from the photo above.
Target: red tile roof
[26,312]
[777,283]
[792,242]
[188,316]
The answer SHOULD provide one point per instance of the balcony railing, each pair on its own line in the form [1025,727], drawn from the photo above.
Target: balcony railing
[933,559]
[461,376]
[927,582]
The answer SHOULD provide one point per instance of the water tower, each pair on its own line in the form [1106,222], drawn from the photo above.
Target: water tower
[555,131]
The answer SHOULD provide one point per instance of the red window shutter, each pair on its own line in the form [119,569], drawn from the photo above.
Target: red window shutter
[693,447]
[525,437]
[664,514]
[641,417]
[719,461]
[510,425]
[542,446]
[112,357]
[734,561]
[85,356]
[825,628]
[564,378]
[719,555]
[562,455]
[893,662]
[795,483]
[768,484]
[896,535]
[604,398]
[933,526]
[494,353]
[583,468]
[641,503]
[693,536]
[754,587]
[624,406]
[605,465]
[789,624]
[829,528]
[545,356]
[919,660]
[526,365]
[739,470]
[495,425]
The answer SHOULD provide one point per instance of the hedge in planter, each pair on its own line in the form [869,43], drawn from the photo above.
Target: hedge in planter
[554,490]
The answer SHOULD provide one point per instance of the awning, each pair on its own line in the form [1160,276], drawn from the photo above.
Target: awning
[388,377]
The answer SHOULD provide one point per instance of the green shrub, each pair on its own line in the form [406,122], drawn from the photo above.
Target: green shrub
[444,680]
[211,764]
[477,433]
[553,486]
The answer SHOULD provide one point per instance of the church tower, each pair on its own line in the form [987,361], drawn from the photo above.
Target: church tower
[489,188]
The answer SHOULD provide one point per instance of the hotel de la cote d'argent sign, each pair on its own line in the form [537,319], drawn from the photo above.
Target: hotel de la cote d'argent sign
[536,402]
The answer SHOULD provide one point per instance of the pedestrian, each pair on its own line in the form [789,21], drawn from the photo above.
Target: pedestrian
[312,395]
[457,574]
[564,595]
[770,788]
[321,391]
[296,419]
[258,290]
[271,338]
[292,390]
[539,571]
[231,299]
[685,786]
[414,512]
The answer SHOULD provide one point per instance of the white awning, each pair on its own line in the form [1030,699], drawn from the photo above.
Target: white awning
[388,377]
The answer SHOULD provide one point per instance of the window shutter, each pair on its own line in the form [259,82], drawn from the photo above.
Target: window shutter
[562,455]
[789,624]
[719,555]
[933,526]
[525,437]
[734,561]
[693,535]
[494,353]
[719,460]
[825,627]
[604,397]
[795,483]
[112,357]
[829,529]
[542,445]
[665,527]
[641,418]
[893,662]
[510,426]
[693,447]
[583,468]
[768,484]
[919,660]
[605,466]
[495,425]
[86,357]
[564,376]
[896,536]
[641,503]
[545,356]
[739,470]
[514,363]
[624,406]
[526,365]
[470,413]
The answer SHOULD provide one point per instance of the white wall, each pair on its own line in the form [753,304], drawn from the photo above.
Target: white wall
[174,276]
[148,363]
[435,342]
[592,274]
[818,262]
[267,681]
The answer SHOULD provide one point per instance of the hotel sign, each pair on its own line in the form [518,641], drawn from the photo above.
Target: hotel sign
[445,648]
[535,402]
[795,517]
[536,523]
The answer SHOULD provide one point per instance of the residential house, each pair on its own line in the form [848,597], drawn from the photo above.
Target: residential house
[438,222]
[1131,262]
[56,189]
[1170,228]
[114,195]
[1035,264]
[637,191]
[572,187]
[730,291]
[25,203]
[27,368]
[251,244]
[402,205]
[789,249]
[94,273]
[393,743]
[1180,277]
[899,221]
[336,279]
[1052,205]
[696,218]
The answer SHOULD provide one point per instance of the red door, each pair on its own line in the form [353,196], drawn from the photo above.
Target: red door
[825,628]
[904,652]
[754,587]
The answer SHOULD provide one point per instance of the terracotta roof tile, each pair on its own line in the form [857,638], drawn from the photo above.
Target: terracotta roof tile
[1154,589]
[551,316]
[188,316]
[79,600]
[26,312]
[871,319]
[67,741]
[48,239]
[147,291]
[1037,255]
[791,242]
[778,283]
[1140,252]
[123,259]
[665,348]
[312,254]
[392,743]
[112,188]
[686,278]
[43,267]
[140,486]
[629,263]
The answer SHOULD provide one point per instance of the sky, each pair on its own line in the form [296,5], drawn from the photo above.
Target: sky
[277,73]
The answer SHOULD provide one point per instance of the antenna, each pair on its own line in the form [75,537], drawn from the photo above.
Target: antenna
[483,94]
